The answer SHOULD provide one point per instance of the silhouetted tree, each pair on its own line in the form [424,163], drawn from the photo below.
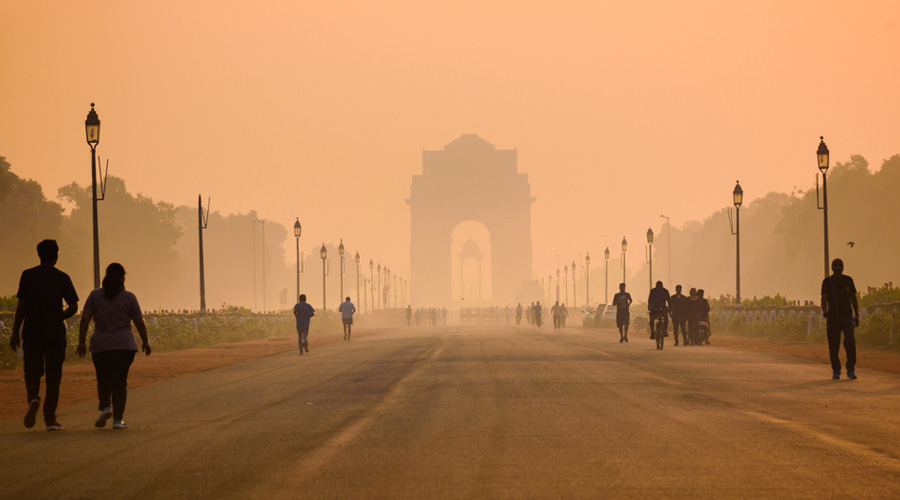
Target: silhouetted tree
[134,231]
[26,218]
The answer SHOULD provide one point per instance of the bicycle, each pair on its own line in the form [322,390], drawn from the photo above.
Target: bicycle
[658,327]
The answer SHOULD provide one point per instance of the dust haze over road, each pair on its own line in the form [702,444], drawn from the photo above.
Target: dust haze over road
[481,412]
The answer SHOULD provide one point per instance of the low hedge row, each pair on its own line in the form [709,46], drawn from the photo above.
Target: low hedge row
[170,332]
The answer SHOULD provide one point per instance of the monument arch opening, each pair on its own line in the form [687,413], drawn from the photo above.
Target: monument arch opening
[469,180]
[470,263]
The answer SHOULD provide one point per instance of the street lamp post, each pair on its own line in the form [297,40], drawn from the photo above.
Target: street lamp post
[606,276]
[356,259]
[650,253]
[574,287]
[550,288]
[379,286]
[822,155]
[341,253]
[264,262]
[202,222]
[372,281]
[566,283]
[323,252]
[624,249]
[669,245]
[557,284]
[92,132]
[255,292]
[297,237]
[738,196]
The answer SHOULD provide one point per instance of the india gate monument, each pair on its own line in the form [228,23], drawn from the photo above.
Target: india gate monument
[469,180]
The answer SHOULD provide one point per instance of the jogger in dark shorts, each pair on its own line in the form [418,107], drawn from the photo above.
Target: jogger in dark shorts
[347,309]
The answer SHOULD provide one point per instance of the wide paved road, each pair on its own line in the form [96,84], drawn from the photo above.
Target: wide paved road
[481,412]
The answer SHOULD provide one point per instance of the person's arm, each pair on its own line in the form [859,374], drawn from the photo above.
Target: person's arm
[70,310]
[142,331]
[855,305]
[825,305]
[14,339]
[86,318]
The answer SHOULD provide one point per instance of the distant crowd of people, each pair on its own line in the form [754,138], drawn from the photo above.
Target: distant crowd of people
[426,316]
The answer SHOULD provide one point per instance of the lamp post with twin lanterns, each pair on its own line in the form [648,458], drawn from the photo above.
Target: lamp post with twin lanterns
[650,253]
[624,249]
[92,132]
[566,283]
[323,252]
[822,156]
[738,198]
[297,237]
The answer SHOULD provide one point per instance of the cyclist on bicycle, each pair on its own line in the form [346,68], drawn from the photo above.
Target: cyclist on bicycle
[659,305]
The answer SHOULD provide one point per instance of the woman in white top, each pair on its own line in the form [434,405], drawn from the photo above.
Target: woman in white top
[112,344]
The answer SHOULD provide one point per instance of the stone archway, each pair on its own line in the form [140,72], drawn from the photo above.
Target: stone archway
[470,179]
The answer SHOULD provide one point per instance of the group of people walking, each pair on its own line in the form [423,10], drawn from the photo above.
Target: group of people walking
[39,328]
[687,312]
[426,315]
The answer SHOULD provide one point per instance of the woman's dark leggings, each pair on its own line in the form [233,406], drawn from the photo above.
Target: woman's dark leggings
[112,378]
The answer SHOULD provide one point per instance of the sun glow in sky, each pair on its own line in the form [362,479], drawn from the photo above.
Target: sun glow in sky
[620,111]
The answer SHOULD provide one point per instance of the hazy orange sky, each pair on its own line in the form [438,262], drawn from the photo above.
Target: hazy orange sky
[620,111]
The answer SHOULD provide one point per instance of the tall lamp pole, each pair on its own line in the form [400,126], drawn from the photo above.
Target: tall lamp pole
[372,281]
[606,276]
[297,237]
[341,253]
[587,278]
[574,287]
[650,253]
[557,284]
[669,244]
[566,283]
[624,249]
[738,197]
[323,252]
[822,155]
[92,132]
[356,259]
[202,223]
[264,262]
[379,286]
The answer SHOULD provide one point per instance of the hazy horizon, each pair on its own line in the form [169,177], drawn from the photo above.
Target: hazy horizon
[618,112]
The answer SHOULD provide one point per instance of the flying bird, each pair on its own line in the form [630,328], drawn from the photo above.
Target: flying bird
[851,243]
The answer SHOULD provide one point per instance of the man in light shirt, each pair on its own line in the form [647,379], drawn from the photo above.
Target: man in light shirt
[347,309]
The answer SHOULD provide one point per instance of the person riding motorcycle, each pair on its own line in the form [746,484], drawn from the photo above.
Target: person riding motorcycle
[659,304]
[698,310]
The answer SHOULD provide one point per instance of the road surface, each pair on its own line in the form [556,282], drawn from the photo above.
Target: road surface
[481,412]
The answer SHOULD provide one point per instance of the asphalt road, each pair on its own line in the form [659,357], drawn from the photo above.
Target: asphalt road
[481,412]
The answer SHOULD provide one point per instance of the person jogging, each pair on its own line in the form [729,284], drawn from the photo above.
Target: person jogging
[347,309]
[113,309]
[42,290]
[303,311]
